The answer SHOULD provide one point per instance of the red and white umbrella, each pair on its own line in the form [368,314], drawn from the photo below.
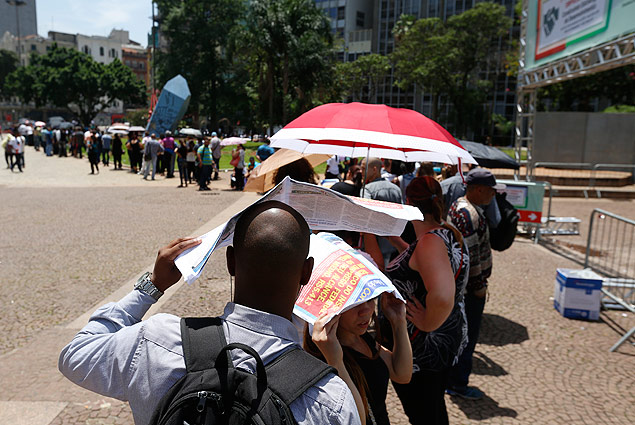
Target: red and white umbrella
[360,129]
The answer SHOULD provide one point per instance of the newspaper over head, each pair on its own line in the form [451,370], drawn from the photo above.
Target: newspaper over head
[342,278]
[322,208]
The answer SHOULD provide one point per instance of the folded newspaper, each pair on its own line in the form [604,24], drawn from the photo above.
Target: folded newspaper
[322,208]
[342,278]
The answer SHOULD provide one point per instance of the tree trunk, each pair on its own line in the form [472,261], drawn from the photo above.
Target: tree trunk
[285,87]
[434,107]
[270,92]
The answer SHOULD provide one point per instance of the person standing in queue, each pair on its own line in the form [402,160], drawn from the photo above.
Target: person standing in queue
[431,273]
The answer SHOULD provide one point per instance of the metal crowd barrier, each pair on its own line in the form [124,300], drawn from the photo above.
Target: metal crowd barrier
[610,252]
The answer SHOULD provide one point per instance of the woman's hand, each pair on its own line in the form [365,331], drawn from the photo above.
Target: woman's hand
[415,313]
[325,338]
[393,308]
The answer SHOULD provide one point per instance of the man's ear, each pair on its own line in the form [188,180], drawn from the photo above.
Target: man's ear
[231,260]
[307,269]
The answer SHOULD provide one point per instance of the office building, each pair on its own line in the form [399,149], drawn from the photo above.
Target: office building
[18,17]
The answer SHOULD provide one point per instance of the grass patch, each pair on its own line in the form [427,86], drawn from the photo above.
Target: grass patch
[510,153]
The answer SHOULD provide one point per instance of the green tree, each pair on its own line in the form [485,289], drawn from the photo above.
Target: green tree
[73,80]
[198,34]
[362,77]
[8,64]
[287,47]
[446,57]
[616,86]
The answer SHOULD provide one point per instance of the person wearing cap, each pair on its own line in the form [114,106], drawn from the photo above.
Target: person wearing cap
[467,215]
[216,153]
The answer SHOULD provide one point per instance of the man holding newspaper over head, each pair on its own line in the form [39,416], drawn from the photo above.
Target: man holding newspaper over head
[115,352]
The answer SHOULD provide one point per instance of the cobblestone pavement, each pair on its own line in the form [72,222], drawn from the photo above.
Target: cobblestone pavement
[70,245]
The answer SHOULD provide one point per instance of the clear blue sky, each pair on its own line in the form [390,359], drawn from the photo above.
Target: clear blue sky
[95,17]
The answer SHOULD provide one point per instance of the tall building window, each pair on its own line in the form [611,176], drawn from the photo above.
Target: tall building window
[360,19]
[101,51]
[341,12]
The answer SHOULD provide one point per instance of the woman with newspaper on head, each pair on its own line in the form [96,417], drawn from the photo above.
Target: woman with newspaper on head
[345,343]
[431,273]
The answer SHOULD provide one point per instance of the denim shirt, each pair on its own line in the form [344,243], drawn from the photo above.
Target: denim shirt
[118,355]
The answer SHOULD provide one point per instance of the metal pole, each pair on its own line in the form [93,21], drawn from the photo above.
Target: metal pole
[17,21]
[365,172]
[588,241]
[154,47]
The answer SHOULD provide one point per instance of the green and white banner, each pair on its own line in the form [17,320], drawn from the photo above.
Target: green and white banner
[558,28]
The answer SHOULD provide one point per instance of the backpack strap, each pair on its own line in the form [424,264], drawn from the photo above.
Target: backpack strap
[203,338]
[283,377]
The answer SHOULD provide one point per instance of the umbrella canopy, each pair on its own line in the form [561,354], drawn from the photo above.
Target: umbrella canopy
[191,132]
[115,131]
[359,129]
[488,156]
[261,178]
[65,125]
[233,141]
[136,129]
[119,127]
[39,123]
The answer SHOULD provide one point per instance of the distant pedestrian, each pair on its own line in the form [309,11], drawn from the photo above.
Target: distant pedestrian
[92,149]
[57,138]
[8,150]
[216,153]
[168,154]
[190,158]
[181,157]
[106,141]
[134,152]
[239,153]
[117,151]
[333,168]
[16,148]
[264,151]
[77,141]
[37,138]
[150,153]
[48,141]
[205,161]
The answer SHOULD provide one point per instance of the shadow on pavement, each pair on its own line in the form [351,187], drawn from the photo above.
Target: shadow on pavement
[498,331]
[484,408]
[483,365]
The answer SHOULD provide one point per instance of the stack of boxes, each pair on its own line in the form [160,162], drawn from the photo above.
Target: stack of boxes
[578,293]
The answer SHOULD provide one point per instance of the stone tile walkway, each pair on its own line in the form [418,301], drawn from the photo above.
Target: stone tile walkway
[533,365]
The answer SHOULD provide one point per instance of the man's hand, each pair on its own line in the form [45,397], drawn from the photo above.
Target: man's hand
[165,273]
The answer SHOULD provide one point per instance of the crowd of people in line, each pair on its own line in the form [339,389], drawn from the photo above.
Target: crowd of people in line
[197,159]
[441,266]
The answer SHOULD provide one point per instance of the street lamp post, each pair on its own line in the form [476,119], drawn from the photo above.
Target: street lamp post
[17,4]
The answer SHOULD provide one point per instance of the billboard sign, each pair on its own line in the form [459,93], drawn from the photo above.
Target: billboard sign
[558,28]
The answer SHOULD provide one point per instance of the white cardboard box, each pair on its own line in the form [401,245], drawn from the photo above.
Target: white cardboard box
[578,297]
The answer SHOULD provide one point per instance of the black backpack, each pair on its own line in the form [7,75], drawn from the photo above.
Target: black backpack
[214,392]
[503,235]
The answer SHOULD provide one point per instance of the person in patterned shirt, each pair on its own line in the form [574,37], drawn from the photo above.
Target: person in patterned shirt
[467,215]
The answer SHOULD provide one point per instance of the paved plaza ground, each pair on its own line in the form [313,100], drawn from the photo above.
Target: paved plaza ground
[71,241]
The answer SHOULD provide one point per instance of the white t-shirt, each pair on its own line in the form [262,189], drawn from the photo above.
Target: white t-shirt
[17,145]
[333,165]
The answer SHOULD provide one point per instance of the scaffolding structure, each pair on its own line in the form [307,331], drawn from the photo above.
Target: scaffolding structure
[603,57]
